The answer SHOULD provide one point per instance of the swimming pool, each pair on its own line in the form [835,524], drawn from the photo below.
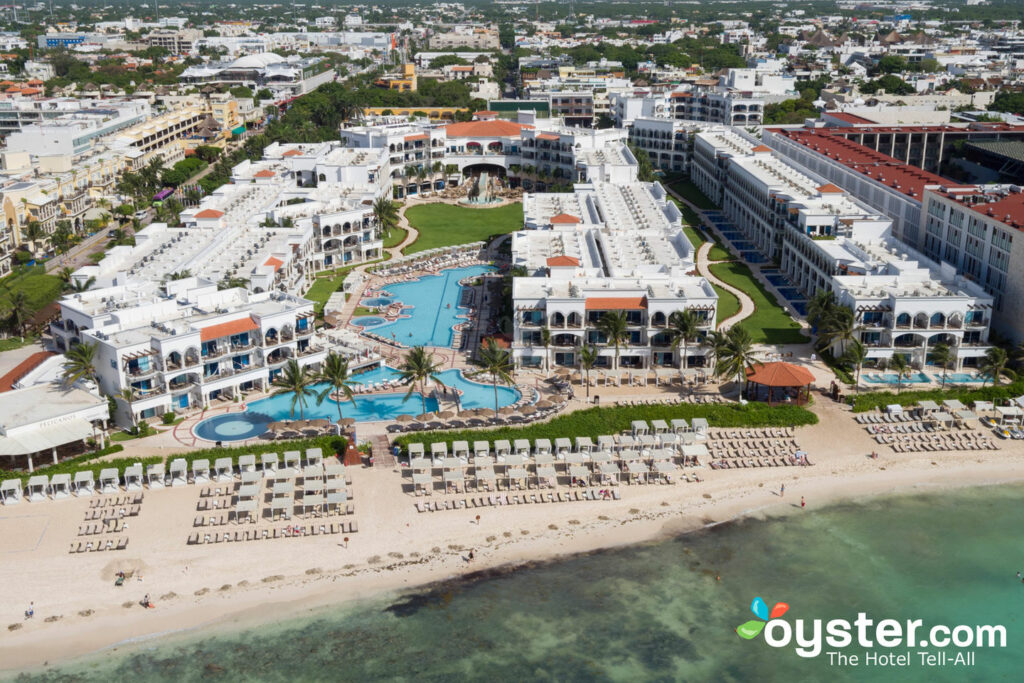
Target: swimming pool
[890,378]
[753,257]
[369,322]
[376,301]
[432,306]
[367,408]
[790,293]
[960,377]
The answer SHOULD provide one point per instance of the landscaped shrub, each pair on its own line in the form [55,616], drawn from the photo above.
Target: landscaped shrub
[331,445]
[596,421]
[69,466]
[880,399]
[168,418]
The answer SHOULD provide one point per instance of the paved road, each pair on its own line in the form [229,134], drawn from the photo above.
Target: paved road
[78,255]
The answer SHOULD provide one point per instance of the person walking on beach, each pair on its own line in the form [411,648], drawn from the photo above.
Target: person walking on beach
[782,491]
[471,556]
[31,611]
[803,502]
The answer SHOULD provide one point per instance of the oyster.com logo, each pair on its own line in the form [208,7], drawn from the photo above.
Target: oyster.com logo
[751,629]
[883,642]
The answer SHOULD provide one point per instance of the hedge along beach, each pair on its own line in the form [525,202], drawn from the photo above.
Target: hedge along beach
[396,548]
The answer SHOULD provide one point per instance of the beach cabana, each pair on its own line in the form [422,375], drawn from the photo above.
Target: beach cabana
[502,447]
[246,509]
[601,456]
[983,406]
[201,471]
[546,476]
[665,468]
[928,406]
[268,461]
[224,469]
[282,488]
[522,447]
[541,447]
[481,449]
[610,473]
[251,477]
[438,450]
[110,480]
[639,427]
[1009,414]
[247,463]
[460,449]
[659,426]
[514,460]
[314,456]
[423,481]
[10,491]
[606,442]
[282,506]
[38,488]
[696,450]
[626,441]
[60,486]
[451,463]
[485,475]
[133,477]
[576,459]
[334,471]
[680,425]
[248,491]
[580,473]
[662,454]
[562,446]
[637,472]
[156,475]
[179,472]
[313,501]
[84,483]
[336,499]
[700,427]
[778,382]
[452,479]
[420,465]
[311,473]
[941,418]
[584,444]
[965,416]
[415,451]
[952,405]
[894,409]
[292,461]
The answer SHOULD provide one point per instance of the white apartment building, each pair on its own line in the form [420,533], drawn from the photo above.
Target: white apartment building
[75,132]
[285,77]
[472,37]
[666,141]
[823,239]
[185,343]
[605,247]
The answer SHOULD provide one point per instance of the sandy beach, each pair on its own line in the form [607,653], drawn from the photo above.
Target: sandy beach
[396,548]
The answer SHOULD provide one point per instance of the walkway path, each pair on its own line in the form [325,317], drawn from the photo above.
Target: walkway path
[747,307]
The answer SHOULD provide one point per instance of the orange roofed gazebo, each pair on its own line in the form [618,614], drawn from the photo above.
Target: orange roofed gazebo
[779,383]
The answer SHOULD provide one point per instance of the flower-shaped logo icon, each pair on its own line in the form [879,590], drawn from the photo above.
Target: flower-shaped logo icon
[759,607]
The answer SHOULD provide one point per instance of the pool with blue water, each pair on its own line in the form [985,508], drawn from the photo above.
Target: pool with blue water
[368,407]
[376,301]
[366,321]
[892,378]
[430,307]
[791,293]
[753,257]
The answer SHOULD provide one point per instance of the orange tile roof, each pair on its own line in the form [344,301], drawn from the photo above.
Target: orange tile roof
[275,262]
[677,95]
[23,368]
[612,303]
[482,112]
[780,375]
[227,329]
[829,188]
[416,136]
[266,173]
[209,213]
[547,136]
[565,219]
[292,153]
[485,129]
[761,148]
[563,260]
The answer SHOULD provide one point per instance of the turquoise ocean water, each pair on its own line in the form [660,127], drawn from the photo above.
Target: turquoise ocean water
[653,612]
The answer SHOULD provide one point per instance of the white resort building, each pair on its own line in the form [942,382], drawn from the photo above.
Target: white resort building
[605,247]
[823,239]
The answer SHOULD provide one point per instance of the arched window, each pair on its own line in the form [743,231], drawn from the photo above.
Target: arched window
[903,320]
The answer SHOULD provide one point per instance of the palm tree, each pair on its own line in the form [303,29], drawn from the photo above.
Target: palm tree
[819,306]
[497,363]
[684,326]
[19,312]
[78,286]
[335,373]
[295,380]
[943,356]
[899,364]
[588,358]
[856,354]
[545,341]
[78,364]
[734,354]
[33,233]
[385,212]
[614,326]
[128,396]
[418,367]
[837,325]
[994,366]
[65,274]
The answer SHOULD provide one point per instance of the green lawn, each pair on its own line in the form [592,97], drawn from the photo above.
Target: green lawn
[42,289]
[692,194]
[442,225]
[12,343]
[395,238]
[770,324]
[327,284]
[728,304]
